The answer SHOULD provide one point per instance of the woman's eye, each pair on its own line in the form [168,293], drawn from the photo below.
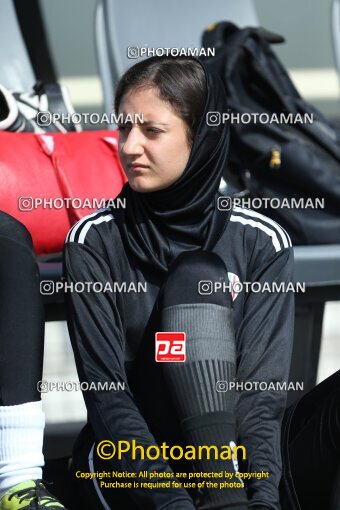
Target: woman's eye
[153,130]
[123,128]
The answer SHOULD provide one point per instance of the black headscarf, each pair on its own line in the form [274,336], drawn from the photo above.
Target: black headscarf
[159,225]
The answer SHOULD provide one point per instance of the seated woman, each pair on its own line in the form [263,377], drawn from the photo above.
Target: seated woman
[22,419]
[173,239]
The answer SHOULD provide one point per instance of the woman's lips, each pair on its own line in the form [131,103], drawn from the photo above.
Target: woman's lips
[137,168]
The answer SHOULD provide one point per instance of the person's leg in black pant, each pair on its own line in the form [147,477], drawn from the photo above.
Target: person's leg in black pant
[311,447]
[21,356]
[21,359]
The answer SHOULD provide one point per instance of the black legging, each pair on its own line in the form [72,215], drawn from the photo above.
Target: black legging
[311,430]
[311,449]
[21,315]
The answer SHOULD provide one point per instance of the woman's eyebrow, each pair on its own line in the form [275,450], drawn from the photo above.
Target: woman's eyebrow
[148,122]
[128,122]
[144,122]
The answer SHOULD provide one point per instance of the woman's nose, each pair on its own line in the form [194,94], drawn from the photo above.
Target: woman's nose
[133,143]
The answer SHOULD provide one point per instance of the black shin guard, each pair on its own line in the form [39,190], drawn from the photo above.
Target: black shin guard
[206,413]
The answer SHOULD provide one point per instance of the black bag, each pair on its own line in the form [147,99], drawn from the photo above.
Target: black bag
[277,160]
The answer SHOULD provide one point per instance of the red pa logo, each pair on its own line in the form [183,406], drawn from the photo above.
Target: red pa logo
[170,346]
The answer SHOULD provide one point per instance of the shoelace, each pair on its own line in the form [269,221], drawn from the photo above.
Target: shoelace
[33,493]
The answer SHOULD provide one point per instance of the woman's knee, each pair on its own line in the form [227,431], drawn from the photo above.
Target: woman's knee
[17,259]
[196,277]
[13,231]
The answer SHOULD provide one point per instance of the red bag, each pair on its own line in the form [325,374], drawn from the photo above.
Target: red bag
[50,181]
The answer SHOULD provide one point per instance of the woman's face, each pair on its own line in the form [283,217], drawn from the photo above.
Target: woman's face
[154,153]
